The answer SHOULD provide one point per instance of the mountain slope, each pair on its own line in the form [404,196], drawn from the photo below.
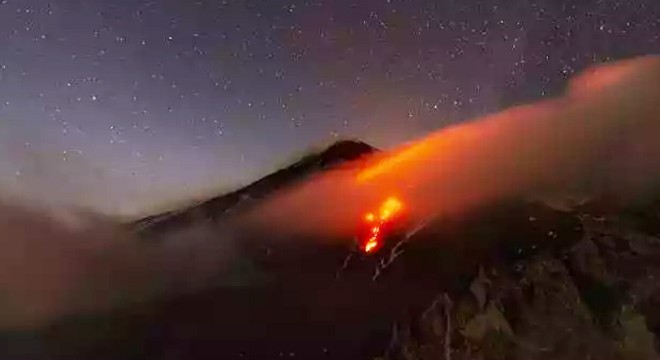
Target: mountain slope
[335,155]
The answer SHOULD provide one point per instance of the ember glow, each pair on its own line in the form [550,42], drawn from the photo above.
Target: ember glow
[387,212]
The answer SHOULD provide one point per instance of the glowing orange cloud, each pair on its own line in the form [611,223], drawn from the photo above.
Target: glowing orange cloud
[599,139]
[391,162]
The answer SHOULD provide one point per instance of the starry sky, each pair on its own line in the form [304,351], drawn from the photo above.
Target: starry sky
[129,106]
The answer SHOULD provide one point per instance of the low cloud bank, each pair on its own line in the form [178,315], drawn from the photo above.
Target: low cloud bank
[59,262]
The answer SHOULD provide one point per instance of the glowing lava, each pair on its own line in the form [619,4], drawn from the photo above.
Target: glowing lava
[388,210]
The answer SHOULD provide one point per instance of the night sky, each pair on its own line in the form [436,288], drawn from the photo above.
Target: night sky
[127,106]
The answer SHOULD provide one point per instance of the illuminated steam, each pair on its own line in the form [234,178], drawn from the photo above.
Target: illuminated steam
[601,139]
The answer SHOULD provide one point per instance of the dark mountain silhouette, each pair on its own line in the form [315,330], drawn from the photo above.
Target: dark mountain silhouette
[510,280]
[336,154]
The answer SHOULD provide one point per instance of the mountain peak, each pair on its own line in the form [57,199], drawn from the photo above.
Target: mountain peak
[336,153]
[347,150]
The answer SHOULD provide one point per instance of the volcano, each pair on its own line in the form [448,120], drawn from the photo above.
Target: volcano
[510,280]
[336,154]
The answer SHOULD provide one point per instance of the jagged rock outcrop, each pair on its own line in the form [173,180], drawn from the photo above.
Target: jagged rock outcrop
[595,299]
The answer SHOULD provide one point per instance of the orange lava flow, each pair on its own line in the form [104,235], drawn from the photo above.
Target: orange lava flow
[387,211]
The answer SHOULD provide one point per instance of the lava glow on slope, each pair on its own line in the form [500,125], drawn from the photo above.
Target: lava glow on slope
[376,221]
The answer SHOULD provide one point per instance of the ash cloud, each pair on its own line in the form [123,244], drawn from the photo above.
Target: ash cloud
[601,138]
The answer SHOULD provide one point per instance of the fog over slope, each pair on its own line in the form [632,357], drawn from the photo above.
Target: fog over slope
[57,262]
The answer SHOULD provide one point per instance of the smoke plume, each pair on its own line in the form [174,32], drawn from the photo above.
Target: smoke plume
[602,138]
